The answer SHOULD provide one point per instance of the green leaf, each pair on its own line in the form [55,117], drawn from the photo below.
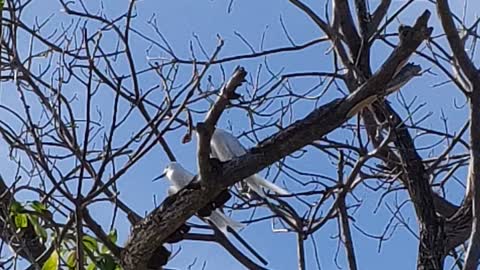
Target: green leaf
[39,230]
[15,207]
[90,243]
[104,250]
[2,2]
[38,206]
[72,259]
[107,262]
[21,221]
[91,266]
[112,235]
[52,262]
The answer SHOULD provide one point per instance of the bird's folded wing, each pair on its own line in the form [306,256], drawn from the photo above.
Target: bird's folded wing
[225,146]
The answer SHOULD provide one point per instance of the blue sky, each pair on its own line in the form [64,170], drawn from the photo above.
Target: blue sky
[179,21]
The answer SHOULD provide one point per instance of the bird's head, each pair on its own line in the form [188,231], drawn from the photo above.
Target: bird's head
[171,168]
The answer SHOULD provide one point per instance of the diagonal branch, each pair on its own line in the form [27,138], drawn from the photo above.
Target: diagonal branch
[221,239]
[343,21]
[205,129]
[378,16]
[329,31]
[457,46]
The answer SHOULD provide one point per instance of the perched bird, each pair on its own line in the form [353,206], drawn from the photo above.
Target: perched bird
[179,177]
[225,147]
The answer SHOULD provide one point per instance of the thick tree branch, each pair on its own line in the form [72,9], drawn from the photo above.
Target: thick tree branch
[205,129]
[363,18]
[433,233]
[473,185]
[362,54]
[473,75]
[431,248]
[391,160]
[378,16]
[343,22]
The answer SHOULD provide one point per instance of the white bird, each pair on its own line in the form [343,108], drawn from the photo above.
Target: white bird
[225,146]
[179,177]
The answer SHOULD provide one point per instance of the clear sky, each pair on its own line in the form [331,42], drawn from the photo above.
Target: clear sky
[179,21]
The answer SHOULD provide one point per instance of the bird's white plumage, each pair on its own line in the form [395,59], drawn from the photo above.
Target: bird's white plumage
[225,146]
[179,177]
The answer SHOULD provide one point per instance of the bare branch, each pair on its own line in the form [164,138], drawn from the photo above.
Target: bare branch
[205,129]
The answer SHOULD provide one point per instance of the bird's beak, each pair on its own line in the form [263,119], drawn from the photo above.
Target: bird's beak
[160,176]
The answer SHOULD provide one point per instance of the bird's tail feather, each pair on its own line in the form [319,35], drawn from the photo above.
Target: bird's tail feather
[221,221]
[256,188]
[256,182]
